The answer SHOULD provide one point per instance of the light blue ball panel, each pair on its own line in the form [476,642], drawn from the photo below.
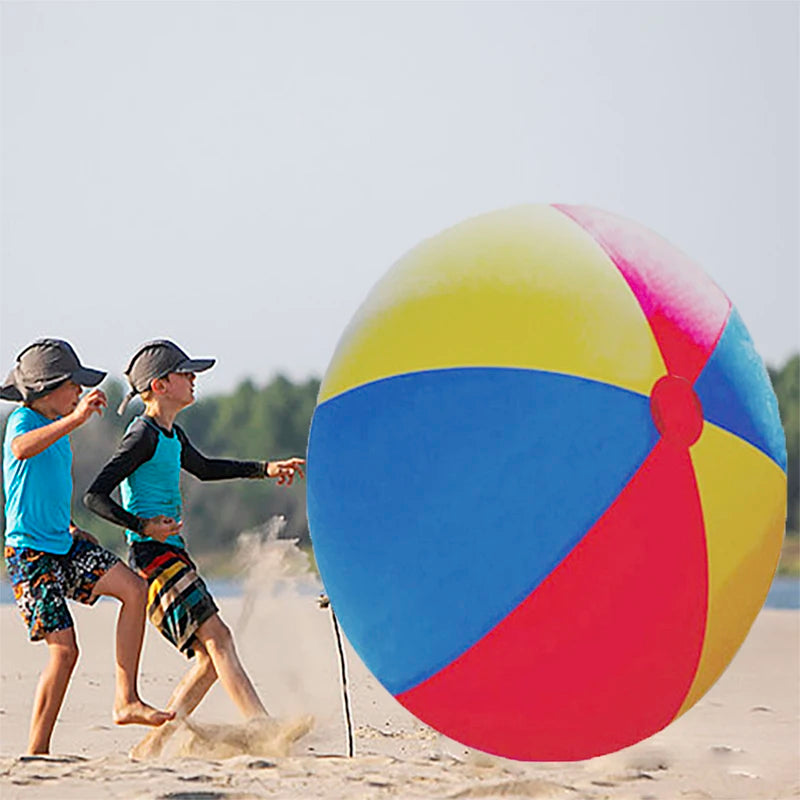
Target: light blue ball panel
[736,393]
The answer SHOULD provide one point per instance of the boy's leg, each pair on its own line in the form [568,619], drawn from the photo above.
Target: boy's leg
[188,693]
[39,590]
[131,591]
[216,638]
[52,687]
[194,685]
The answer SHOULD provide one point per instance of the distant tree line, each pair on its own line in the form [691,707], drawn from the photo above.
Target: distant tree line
[786,382]
[272,421]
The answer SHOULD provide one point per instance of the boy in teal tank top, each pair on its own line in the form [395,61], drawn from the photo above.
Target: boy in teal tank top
[48,558]
[147,466]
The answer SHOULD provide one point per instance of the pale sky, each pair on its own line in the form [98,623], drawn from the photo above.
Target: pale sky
[236,176]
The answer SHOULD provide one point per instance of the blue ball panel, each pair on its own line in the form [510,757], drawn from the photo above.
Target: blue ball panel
[736,393]
[439,500]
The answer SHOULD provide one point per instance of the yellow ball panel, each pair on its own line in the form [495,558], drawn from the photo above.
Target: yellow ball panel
[524,288]
[743,495]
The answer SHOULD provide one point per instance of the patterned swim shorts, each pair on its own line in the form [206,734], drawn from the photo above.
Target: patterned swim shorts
[178,600]
[43,581]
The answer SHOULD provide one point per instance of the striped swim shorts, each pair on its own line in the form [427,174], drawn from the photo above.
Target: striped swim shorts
[178,600]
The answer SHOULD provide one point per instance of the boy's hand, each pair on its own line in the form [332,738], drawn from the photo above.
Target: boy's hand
[285,470]
[77,533]
[160,527]
[91,403]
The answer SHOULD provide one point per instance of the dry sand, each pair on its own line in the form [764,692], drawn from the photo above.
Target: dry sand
[742,741]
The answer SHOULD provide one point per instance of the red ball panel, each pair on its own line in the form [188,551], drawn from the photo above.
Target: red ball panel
[605,650]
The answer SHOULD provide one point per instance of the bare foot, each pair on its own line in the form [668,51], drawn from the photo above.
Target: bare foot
[139,713]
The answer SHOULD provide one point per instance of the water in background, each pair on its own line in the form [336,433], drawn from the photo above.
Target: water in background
[784,592]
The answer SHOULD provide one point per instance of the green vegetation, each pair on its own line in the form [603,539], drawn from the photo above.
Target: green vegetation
[790,557]
[272,421]
[786,382]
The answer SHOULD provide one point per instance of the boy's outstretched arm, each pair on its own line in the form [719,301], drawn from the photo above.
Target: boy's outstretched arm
[31,443]
[217,469]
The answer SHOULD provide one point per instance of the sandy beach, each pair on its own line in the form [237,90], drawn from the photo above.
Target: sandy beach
[742,741]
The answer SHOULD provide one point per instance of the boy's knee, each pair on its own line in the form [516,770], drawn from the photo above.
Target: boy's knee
[219,637]
[63,648]
[66,654]
[133,589]
[205,664]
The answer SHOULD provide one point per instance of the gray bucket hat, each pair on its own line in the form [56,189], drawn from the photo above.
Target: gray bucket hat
[42,367]
[156,360]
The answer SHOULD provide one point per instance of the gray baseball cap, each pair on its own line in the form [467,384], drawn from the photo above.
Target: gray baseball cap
[42,367]
[157,359]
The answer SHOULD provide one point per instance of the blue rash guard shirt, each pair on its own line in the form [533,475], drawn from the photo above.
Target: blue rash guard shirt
[154,487]
[147,467]
[38,489]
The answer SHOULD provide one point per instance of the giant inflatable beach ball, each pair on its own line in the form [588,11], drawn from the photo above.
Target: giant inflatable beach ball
[546,482]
